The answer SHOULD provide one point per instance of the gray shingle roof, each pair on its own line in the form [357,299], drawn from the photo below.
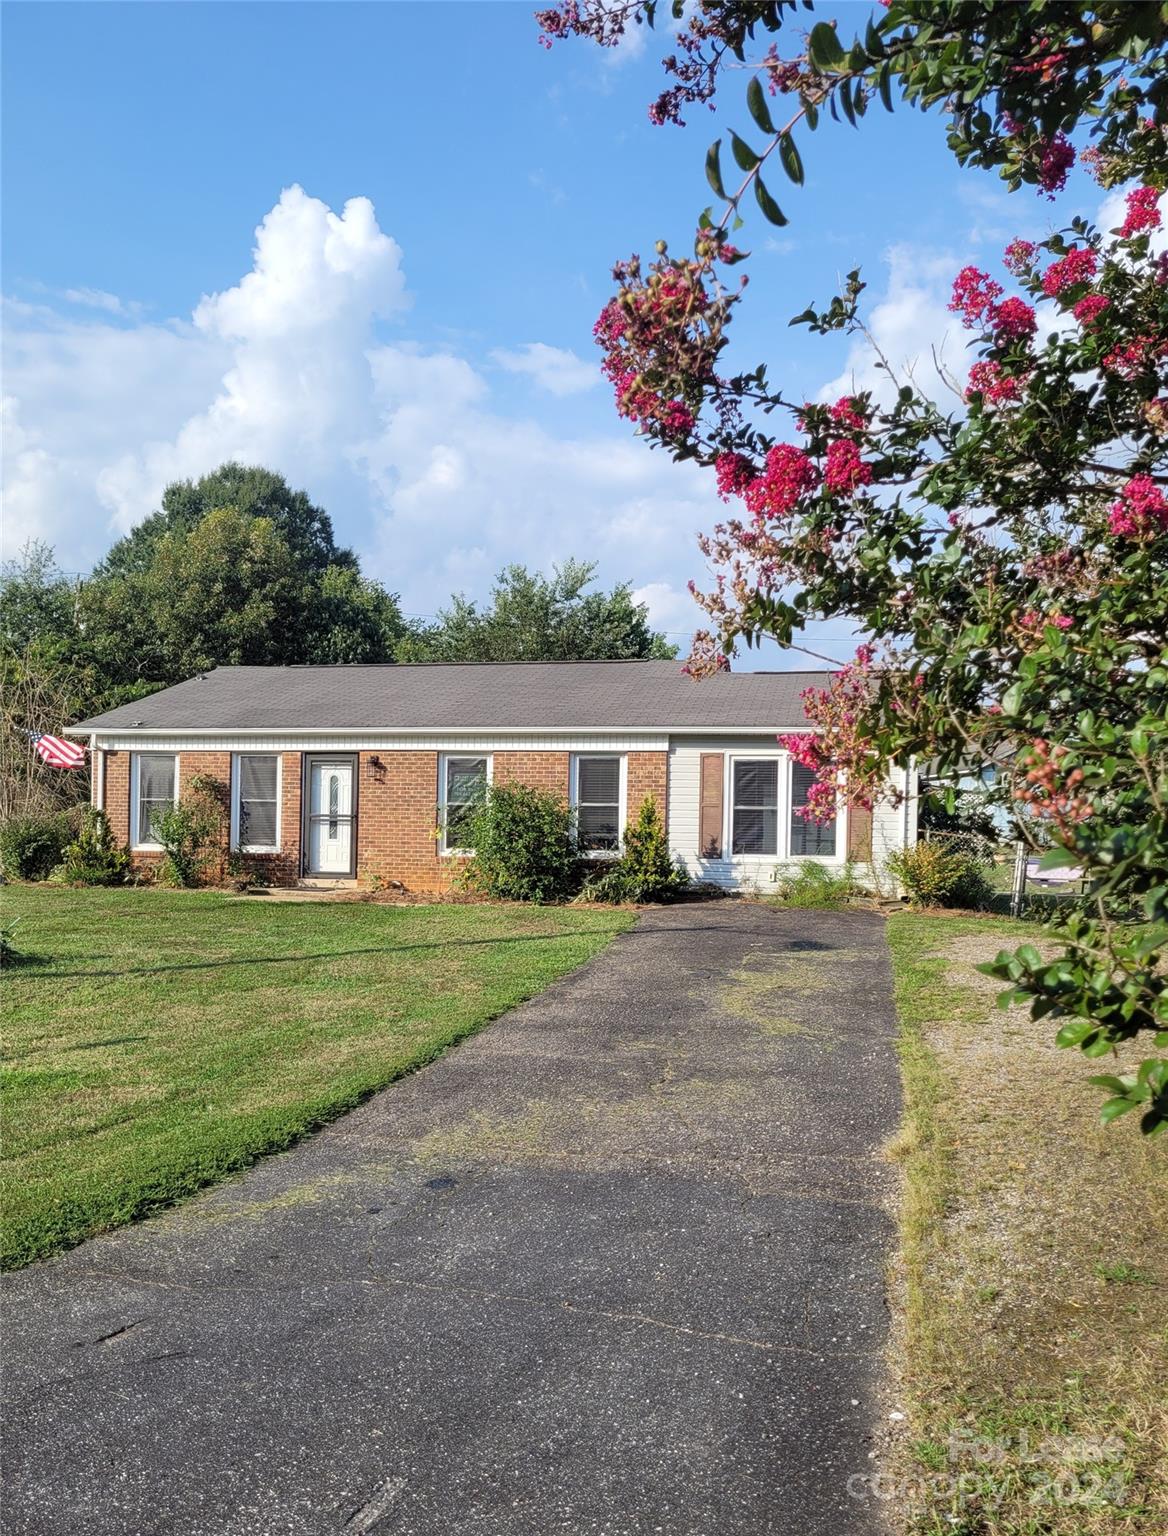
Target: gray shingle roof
[535,696]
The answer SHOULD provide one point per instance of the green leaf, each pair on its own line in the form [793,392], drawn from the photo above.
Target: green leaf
[714,168]
[789,155]
[1057,858]
[743,153]
[757,103]
[1114,1108]
[771,210]
[823,48]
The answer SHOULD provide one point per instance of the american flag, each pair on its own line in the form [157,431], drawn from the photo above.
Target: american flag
[55,752]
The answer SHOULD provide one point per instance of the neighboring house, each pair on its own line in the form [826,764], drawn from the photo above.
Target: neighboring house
[361,772]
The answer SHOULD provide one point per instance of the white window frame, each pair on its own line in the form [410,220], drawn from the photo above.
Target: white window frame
[443,759]
[622,810]
[840,856]
[136,798]
[236,788]
[782,796]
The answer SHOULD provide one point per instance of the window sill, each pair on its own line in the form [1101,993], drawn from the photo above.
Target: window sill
[147,848]
[249,848]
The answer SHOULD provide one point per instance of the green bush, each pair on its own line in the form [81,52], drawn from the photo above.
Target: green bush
[191,833]
[524,845]
[94,857]
[31,846]
[937,875]
[816,885]
[645,871]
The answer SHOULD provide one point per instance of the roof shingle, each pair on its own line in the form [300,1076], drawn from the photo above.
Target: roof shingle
[536,696]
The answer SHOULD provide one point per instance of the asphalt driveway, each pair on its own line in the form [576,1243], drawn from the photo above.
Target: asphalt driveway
[615,1265]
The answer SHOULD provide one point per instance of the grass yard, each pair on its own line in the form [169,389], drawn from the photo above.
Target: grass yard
[1034,1265]
[156,1042]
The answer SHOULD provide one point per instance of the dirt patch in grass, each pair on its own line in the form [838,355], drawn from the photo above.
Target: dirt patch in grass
[1035,1266]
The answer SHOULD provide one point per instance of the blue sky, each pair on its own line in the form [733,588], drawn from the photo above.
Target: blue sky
[380,356]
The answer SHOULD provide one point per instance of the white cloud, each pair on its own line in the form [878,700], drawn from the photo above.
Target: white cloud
[96,298]
[555,369]
[910,328]
[421,468]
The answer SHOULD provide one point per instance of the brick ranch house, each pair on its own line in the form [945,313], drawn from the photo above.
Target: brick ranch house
[357,773]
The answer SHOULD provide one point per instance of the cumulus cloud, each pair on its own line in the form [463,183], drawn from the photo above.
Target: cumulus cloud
[555,369]
[910,329]
[424,472]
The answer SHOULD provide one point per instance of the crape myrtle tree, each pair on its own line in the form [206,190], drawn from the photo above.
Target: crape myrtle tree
[1005,550]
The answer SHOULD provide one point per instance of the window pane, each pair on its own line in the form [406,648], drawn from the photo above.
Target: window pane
[155,792]
[756,831]
[257,823]
[756,784]
[257,778]
[597,827]
[466,778]
[156,777]
[598,781]
[812,837]
[808,837]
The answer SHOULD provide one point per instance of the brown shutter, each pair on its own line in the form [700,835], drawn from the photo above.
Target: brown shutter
[859,834]
[710,818]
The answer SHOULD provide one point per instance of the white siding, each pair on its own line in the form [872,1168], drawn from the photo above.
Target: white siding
[891,825]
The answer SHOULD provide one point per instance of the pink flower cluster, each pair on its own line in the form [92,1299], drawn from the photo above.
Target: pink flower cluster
[787,475]
[1013,320]
[975,298]
[1143,212]
[1088,309]
[1076,267]
[1019,256]
[1141,511]
[803,747]
[1058,155]
[989,380]
[734,474]
[845,471]
[1131,358]
[1032,619]
[846,412]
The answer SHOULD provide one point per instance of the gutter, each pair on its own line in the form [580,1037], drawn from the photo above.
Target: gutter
[611,728]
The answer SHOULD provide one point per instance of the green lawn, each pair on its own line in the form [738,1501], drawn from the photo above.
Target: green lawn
[155,1042]
[1033,1264]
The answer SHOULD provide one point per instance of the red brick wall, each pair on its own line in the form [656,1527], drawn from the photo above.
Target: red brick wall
[397,813]
[397,807]
[281,868]
[540,770]
[648,774]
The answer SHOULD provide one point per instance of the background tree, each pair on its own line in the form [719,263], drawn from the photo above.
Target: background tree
[253,492]
[531,617]
[258,581]
[1008,554]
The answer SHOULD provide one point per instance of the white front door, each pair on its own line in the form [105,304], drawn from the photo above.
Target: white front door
[330,817]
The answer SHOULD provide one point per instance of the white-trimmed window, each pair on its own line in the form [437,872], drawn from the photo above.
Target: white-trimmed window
[462,786]
[809,839]
[598,795]
[754,828]
[255,802]
[154,789]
